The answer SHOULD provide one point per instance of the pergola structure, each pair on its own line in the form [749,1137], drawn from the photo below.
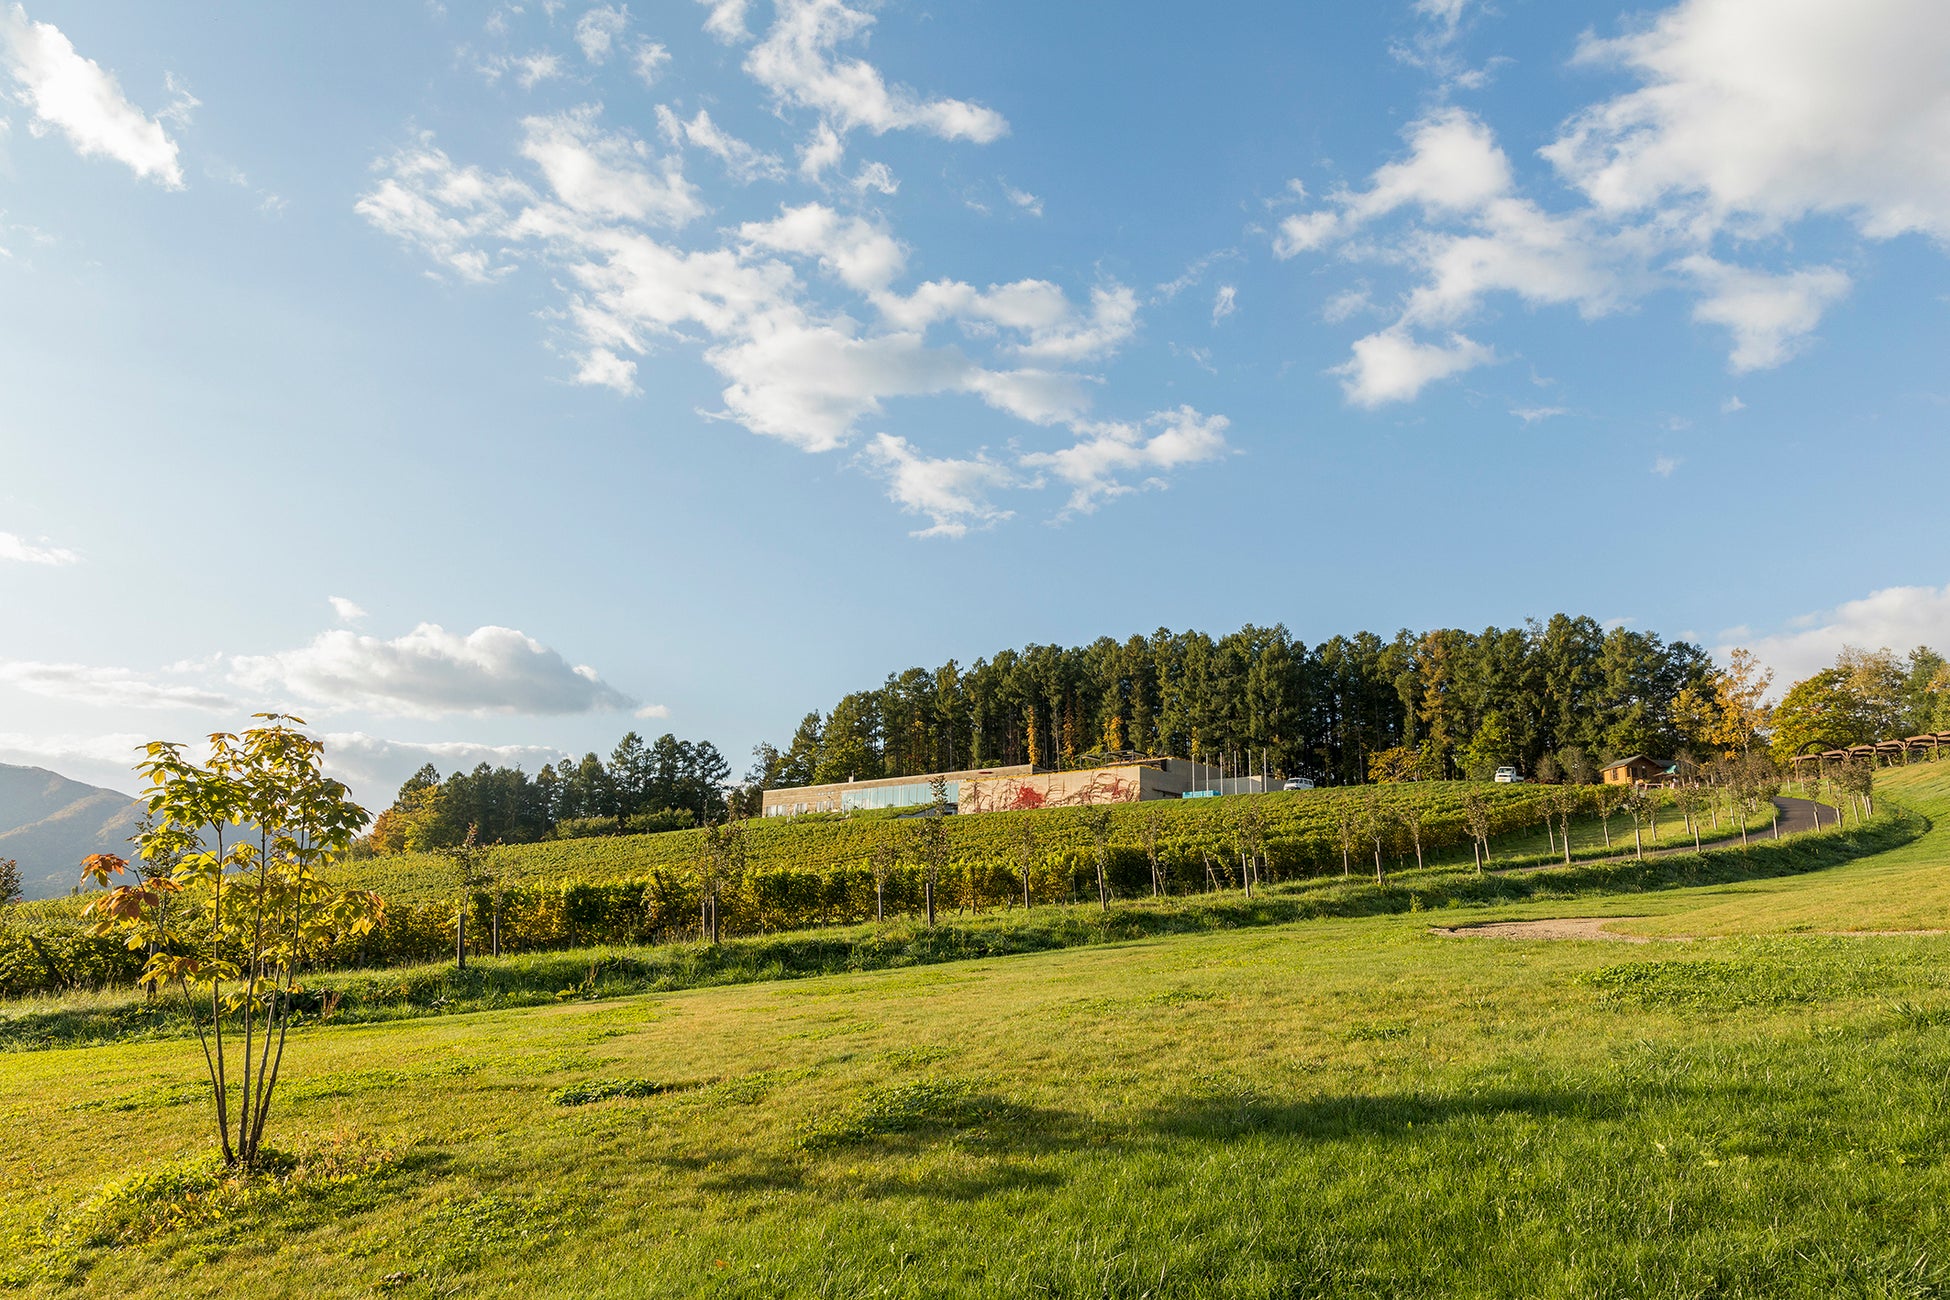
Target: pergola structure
[1885,752]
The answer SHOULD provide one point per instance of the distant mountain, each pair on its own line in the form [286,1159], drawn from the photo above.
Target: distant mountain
[49,823]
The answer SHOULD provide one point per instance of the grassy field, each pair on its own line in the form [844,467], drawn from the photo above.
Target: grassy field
[1324,1107]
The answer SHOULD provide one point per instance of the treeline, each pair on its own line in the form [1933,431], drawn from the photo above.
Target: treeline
[1460,703]
[1868,695]
[667,784]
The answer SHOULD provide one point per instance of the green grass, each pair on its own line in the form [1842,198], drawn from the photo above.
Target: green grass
[1340,1106]
[543,978]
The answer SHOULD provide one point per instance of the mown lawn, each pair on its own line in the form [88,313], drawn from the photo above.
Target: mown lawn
[1330,1107]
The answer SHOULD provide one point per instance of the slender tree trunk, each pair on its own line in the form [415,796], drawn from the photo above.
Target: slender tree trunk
[1025,889]
[927,900]
[1638,844]
[460,937]
[879,901]
[1379,878]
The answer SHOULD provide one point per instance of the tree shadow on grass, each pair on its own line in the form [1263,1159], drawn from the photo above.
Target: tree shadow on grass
[1327,1119]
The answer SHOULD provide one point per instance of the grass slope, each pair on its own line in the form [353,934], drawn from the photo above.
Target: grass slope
[1335,1107]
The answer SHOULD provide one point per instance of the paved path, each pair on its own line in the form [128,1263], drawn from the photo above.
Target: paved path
[1796,815]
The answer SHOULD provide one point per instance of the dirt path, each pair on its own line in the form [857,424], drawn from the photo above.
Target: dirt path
[1564,927]
[1796,815]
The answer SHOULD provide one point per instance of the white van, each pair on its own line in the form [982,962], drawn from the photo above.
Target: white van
[1506,776]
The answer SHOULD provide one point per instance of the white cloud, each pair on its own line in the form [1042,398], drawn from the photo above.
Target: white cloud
[120,750]
[822,151]
[1771,316]
[1731,405]
[1096,466]
[859,252]
[1024,200]
[1899,618]
[1771,110]
[1533,414]
[1195,272]
[530,70]
[458,216]
[374,767]
[952,493]
[1663,466]
[1346,303]
[608,175]
[745,163]
[804,315]
[597,30]
[1045,324]
[796,63]
[1224,302]
[1390,366]
[115,688]
[1747,116]
[876,176]
[727,20]
[347,611]
[77,97]
[649,61]
[21,551]
[652,711]
[430,672]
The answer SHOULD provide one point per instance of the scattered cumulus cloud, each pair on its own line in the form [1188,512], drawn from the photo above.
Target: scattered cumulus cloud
[1664,466]
[742,162]
[1537,414]
[1770,316]
[76,96]
[1224,302]
[529,70]
[430,672]
[1195,272]
[1102,463]
[598,29]
[648,62]
[952,493]
[1746,117]
[1390,366]
[347,611]
[796,61]
[114,688]
[726,20]
[1023,200]
[1899,618]
[18,550]
[809,317]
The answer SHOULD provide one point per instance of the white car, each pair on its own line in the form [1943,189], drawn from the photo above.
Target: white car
[1298,783]
[1506,776]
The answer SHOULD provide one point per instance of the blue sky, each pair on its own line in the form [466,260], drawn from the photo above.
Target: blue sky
[475,379]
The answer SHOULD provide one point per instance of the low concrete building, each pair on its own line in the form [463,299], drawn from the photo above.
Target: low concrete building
[886,792]
[1148,778]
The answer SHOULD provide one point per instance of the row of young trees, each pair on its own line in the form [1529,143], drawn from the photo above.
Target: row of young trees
[664,784]
[1468,701]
